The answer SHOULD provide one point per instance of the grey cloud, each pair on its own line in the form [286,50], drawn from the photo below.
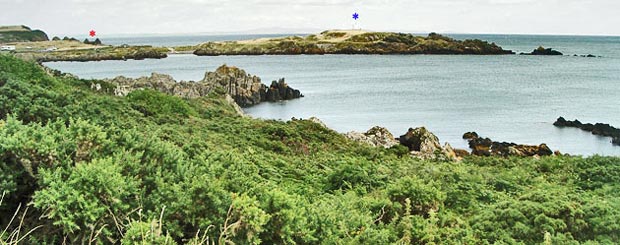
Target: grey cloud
[188,16]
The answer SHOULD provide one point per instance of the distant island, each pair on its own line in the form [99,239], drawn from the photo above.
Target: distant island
[352,42]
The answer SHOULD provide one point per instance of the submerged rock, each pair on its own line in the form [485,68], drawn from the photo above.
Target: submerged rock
[601,129]
[544,51]
[487,147]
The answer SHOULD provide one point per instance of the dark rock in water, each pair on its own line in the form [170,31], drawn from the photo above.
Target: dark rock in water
[281,91]
[596,129]
[487,147]
[545,51]
[470,135]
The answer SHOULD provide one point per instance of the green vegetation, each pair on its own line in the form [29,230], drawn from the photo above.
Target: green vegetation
[20,34]
[153,169]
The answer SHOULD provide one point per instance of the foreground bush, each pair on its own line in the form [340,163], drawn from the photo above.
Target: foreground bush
[154,169]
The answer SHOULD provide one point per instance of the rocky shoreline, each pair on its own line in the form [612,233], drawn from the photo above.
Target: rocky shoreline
[600,129]
[423,144]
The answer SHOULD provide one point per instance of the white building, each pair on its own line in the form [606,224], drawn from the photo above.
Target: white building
[7,48]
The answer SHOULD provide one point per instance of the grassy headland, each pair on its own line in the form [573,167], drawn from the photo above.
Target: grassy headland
[151,168]
[352,42]
[21,34]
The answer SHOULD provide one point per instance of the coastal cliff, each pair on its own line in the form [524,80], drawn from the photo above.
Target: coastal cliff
[352,42]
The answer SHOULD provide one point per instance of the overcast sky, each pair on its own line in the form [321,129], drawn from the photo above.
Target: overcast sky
[109,17]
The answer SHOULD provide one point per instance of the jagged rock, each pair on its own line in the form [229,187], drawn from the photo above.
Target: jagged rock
[487,147]
[376,136]
[247,90]
[281,91]
[596,129]
[244,89]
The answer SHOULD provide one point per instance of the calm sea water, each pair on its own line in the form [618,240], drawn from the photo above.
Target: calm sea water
[507,98]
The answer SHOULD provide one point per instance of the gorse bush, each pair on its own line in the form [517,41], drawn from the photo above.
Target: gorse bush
[155,169]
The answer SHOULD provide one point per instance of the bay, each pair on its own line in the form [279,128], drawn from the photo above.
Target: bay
[507,98]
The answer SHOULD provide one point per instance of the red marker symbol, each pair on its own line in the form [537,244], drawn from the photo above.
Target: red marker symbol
[92,33]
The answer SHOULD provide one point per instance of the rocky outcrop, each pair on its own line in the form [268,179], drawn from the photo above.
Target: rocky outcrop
[247,90]
[244,89]
[487,147]
[424,144]
[281,91]
[596,129]
[544,51]
[376,136]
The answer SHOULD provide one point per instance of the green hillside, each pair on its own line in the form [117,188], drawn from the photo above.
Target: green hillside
[21,34]
[81,166]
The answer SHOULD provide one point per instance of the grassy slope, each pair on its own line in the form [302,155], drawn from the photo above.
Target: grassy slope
[88,162]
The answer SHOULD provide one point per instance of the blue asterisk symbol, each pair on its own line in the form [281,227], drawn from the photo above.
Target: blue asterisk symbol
[356,16]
